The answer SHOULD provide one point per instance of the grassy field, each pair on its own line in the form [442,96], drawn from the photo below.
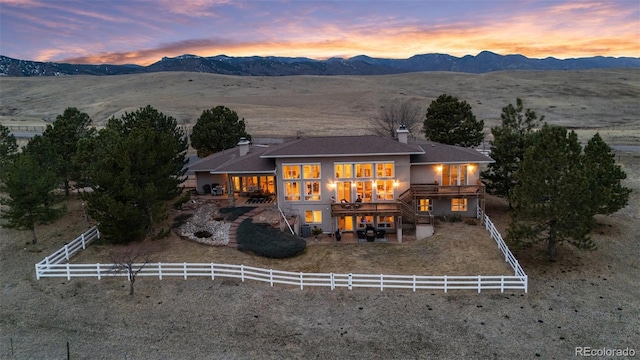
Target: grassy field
[585,299]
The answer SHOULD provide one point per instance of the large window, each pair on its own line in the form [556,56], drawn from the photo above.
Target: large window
[458,204]
[291,173]
[313,216]
[355,180]
[454,175]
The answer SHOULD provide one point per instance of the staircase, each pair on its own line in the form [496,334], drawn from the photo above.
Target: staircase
[233,229]
[407,207]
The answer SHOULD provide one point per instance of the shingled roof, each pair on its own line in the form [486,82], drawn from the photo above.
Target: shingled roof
[437,153]
[336,146]
[230,161]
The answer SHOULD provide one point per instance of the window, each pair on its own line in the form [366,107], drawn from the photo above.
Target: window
[363,221]
[385,222]
[364,170]
[384,189]
[313,216]
[425,205]
[290,171]
[312,190]
[454,175]
[292,190]
[311,171]
[384,170]
[365,190]
[458,204]
[343,171]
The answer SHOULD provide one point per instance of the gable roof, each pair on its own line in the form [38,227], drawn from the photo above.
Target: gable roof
[230,161]
[437,153]
[337,146]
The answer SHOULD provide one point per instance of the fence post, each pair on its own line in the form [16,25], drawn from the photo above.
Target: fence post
[301,281]
[501,283]
[350,282]
[271,277]
[213,276]
[66,251]
[83,244]
[97,232]
[333,281]
[381,282]
[184,268]
[414,283]
[242,272]
[160,270]
[445,283]
[68,272]
[526,281]
[479,284]
[46,258]
[98,270]
[37,272]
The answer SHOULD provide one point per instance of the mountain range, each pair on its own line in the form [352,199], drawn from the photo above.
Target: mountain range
[485,61]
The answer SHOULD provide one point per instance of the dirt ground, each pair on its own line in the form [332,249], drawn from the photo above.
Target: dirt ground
[585,299]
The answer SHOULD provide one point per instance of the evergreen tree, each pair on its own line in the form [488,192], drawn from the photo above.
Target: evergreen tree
[216,130]
[29,198]
[510,140]
[62,138]
[608,194]
[136,168]
[451,121]
[8,146]
[552,196]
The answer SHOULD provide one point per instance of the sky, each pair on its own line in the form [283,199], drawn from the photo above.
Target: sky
[142,32]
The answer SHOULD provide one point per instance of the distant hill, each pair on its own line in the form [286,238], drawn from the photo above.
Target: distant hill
[280,66]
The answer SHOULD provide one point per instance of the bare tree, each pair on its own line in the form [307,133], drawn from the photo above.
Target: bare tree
[395,113]
[130,259]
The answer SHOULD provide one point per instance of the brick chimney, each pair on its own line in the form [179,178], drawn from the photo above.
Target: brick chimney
[403,134]
[243,144]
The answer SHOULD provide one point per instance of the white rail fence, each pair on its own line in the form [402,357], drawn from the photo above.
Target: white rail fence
[57,265]
[508,256]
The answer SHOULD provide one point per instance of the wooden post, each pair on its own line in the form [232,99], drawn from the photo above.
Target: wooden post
[399,229]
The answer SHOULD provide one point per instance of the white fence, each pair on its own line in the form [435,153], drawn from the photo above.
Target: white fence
[56,265]
[67,251]
[508,256]
[330,280]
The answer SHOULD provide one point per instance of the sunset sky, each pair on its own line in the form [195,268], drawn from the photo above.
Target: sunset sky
[142,32]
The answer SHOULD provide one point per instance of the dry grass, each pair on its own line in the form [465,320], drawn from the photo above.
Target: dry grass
[584,299]
[597,99]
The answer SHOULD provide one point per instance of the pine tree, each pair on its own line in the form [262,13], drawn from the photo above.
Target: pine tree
[510,140]
[605,176]
[62,138]
[8,146]
[451,121]
[552,196]
[137,164]
[216,130]
[29,194]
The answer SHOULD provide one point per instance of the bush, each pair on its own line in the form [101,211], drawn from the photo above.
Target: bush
[456,217]
[264,240]
[182,200]
[232,213]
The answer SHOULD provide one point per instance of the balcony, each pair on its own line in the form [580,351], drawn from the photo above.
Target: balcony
[365,208]
[435,190]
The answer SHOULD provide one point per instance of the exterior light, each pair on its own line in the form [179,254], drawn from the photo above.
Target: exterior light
[396,183]
[439,168]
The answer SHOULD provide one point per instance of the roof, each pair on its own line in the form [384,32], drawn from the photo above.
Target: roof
[230,161]
[337,146]
[437,153]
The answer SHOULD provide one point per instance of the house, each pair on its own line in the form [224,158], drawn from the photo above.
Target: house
[352,182]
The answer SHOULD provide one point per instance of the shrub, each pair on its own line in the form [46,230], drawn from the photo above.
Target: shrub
[232,213]
[182,200]
[179,220]
[456,217]
[316,231]
[264,240]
